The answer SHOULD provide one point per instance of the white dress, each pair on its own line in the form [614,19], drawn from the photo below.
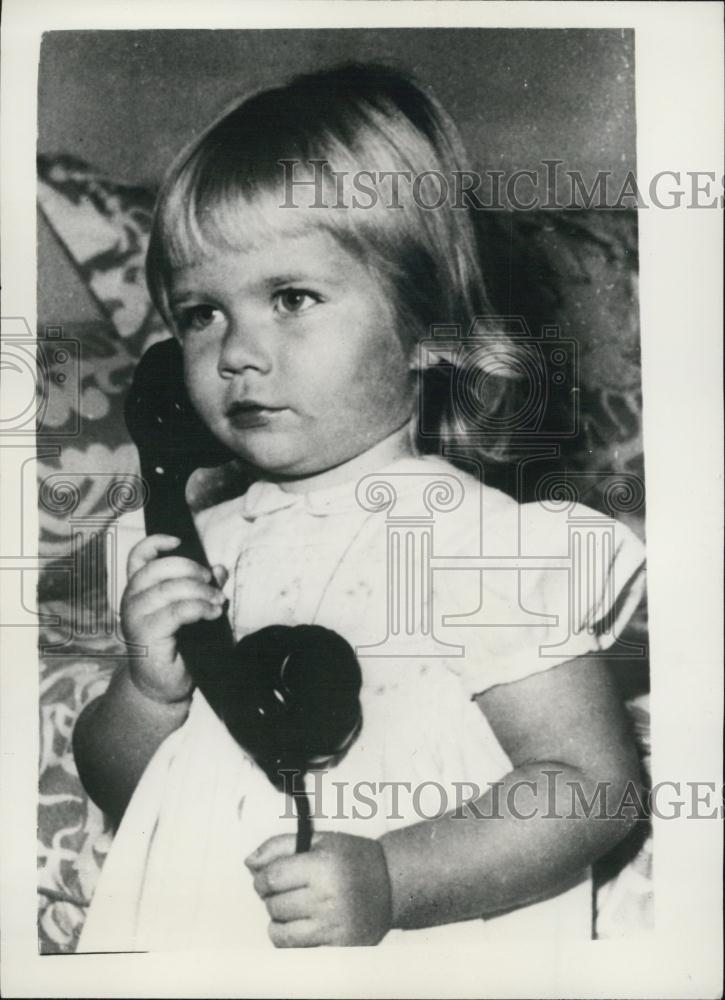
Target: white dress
[394,569]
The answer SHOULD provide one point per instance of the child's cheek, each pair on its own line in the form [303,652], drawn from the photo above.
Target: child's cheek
[201,371]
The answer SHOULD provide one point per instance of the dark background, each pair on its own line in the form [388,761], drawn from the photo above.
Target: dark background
[126,101]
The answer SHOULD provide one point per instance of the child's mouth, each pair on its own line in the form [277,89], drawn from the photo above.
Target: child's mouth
[251,414]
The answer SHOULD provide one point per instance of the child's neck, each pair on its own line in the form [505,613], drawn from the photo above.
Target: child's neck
[390,449]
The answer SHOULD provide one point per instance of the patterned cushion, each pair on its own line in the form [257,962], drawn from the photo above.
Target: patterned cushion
[88,474]
[574,269]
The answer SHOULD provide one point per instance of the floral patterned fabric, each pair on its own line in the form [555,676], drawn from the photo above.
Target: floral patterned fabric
[575,269]
[87,475]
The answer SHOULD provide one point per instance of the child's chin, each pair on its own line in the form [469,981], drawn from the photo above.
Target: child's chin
[288,459]
[277,464]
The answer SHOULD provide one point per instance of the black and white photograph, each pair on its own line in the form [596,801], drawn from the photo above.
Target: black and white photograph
[338,438]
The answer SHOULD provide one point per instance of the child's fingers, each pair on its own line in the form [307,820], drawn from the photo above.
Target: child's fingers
[295,934]
[220,575]
[171,567]
[168,620]
[158,596]
[149,548]
[281,846]
[298,904]
[284,875]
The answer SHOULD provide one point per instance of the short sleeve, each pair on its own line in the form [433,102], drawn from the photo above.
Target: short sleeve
[568,591]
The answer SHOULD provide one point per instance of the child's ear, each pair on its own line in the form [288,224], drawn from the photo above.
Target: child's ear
[414,356]
[419,353]
[418,364]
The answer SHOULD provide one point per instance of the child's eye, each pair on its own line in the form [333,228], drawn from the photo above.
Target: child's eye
[294,300]
[197,317]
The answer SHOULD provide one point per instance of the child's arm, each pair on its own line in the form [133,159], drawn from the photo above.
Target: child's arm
[117,734]
[567,719]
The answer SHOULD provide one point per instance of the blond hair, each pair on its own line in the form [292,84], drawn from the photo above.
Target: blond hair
[226,187]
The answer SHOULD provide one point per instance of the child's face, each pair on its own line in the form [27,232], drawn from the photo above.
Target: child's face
[291,352]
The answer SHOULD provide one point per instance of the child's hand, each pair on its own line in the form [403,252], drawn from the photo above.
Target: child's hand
[162,595]
[338,893]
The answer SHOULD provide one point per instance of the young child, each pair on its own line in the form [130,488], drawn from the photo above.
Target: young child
[298,266]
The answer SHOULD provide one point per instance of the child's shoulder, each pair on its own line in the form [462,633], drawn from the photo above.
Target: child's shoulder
[464,496]
[466,509]
[463,482]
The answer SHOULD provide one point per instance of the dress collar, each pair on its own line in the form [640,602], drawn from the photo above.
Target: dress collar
[264,497]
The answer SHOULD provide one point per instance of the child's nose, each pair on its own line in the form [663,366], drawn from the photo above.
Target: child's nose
[244,348]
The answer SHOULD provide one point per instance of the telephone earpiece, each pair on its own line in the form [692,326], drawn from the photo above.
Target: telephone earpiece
[288,695]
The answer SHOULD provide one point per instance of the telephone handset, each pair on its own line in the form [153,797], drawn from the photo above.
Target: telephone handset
[288,695]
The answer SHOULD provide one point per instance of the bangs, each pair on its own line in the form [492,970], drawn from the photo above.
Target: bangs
[314,155]
[225,214]
[241,182]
